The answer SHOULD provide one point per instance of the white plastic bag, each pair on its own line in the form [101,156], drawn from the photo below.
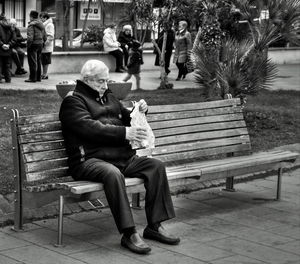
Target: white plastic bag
[139,119]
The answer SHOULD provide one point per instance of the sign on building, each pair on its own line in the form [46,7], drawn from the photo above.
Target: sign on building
[93,11]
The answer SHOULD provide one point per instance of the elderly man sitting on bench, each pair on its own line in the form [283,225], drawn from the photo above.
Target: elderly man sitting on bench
[96,128]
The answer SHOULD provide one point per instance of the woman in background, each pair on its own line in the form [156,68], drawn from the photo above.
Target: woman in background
[183,45]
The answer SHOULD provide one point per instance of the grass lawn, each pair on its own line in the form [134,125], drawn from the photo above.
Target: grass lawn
[273,118]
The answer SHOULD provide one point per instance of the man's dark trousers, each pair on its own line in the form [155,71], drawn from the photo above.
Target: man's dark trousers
[5,62]
[34,53]
[158,203]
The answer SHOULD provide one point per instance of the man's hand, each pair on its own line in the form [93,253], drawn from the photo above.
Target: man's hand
[143,106]
[136,133]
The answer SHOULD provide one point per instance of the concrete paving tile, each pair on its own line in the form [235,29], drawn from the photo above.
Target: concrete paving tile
[105,255]
[193,232]
[107,223]
[237,259]
[169,257]
[191,205]
[248,220]
[260,211]
[26,227]
[8,242]
[71,227]
[6,260]
[39,255]
[260,197]
[286,230]
[283,206]
[202,195]
[292,218]
[86,216]
[250,249]
[259,236]
[197,250]
[248,187]
[293,247]
[187,215]
[47,238]
[227,204]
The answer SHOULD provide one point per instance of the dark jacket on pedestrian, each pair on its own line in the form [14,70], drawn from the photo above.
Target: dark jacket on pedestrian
[36,33]
[94,127]
[169,46]
[135,58]
[125,39]
[183,45]
[7,36]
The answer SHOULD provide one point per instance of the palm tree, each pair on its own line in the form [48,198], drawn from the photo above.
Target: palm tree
[243,66]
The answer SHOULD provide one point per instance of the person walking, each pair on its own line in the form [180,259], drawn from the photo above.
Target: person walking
[18,54]
[134,63]
[36,37]
[183,45]
[48,45]
[7,41]
[97,131]
[169,47]
[125,38]
[113,47]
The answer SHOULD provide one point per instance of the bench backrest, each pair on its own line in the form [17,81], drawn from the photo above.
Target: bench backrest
[182,131]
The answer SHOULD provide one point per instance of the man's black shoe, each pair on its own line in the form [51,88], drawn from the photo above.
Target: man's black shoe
[161,236]
[135,244]
[120,70]
[28,80]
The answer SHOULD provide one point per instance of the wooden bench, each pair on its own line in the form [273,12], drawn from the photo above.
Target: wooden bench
[197,141]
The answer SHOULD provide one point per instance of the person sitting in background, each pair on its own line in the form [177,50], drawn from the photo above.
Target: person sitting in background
[7,41]
[18,54]
[134,63]
[96,128]
[113,47]
[48,45]
[126,38]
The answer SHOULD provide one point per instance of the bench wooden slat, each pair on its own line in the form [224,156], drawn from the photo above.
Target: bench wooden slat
[151,117]
[51,136]
[47,174]
[198,128]
[159,150]
[43,146]
[232,160]
[45,155]
[45,165]
[179,156]
[200,136]
[40,127]
[196,120]
[31,119]
[193,106]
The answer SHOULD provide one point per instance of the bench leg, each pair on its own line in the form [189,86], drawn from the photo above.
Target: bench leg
[136,201]
[229,185]
[60,221]
[278,194]
[18,219]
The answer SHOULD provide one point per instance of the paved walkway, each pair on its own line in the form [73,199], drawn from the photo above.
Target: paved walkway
[288,79]
[215,227]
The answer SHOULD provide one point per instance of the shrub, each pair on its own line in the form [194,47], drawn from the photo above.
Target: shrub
[94,35]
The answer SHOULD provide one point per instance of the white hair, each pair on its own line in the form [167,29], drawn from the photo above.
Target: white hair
[13,21]
[127,27]
[92,68]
